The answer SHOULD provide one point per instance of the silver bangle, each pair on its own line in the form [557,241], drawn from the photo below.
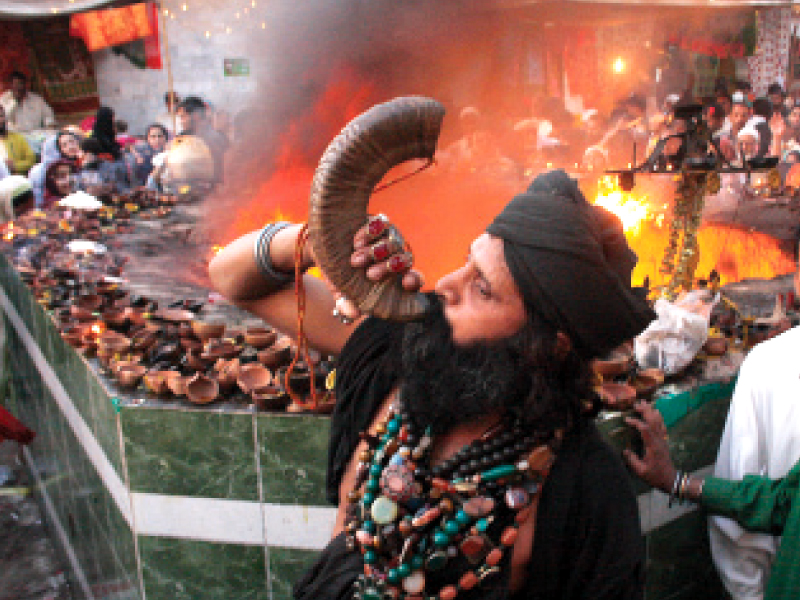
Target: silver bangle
[276,279]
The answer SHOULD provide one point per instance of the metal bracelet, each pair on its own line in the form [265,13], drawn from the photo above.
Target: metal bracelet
[673,493]
[261,252]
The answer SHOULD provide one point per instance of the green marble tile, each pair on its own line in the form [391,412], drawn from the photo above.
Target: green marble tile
[679,563]
[286,566]
[293,452]
[190,452]
[176,569]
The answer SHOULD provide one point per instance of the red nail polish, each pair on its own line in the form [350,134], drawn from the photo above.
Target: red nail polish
[380,252]
[376,226]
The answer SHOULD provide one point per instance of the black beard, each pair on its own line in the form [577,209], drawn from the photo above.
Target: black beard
[3,129]
[445,385]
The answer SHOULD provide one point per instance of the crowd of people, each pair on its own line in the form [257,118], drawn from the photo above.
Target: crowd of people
[96,156]
[741,126]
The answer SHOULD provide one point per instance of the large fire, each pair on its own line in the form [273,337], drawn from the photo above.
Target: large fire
[734,253]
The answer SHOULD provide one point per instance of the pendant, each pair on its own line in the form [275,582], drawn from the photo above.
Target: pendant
[397,482]
[383,510]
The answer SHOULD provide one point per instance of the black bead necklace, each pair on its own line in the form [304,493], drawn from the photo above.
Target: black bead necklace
[410,520]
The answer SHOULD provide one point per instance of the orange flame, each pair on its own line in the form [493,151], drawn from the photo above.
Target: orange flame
[734,253]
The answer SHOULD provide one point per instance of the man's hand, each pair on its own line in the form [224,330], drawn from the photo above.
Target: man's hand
[379,248]
[655,467]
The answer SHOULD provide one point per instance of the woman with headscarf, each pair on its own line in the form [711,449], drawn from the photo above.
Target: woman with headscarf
[62,146]
[143,152]
[59,181]
[103,131]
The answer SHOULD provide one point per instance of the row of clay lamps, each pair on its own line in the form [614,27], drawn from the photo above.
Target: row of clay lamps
[619,383]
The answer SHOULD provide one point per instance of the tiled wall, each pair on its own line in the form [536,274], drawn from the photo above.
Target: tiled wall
[177,502]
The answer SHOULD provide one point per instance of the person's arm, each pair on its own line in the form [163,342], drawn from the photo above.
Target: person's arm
[235,273]
[24,158]
[756,502]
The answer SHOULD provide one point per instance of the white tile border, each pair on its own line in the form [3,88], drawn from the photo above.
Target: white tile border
[82,431]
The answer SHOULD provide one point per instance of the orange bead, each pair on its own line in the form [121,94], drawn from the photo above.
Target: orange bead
[448,592]
[509,536]
[468,581]
[494,557]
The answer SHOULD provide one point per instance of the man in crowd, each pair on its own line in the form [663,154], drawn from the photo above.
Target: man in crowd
[761,437]
[14,148]
[193,119]
[502,354]
[777,98]
[25,110]
[168,118]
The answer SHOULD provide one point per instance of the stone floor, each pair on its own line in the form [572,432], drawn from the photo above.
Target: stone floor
[30,566]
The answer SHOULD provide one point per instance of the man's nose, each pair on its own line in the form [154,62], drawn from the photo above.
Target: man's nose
[447,287]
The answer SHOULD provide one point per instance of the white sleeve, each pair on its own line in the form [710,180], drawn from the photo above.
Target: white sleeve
[48,116]
[742,559]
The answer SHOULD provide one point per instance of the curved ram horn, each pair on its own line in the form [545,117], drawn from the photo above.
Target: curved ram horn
[352,165]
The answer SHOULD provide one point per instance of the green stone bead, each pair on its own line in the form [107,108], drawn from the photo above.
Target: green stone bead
[404,570]
[451,528]
[368,499]
[383,510]
[441,539]
[370,557]
[375,470]
[373,485]
[371,594]
[417,562]
[462,517]
[498,472]
[393,427]
[482,525]
[393,576]
[368,526]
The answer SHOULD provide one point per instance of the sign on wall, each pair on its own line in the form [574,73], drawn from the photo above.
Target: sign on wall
[236,67]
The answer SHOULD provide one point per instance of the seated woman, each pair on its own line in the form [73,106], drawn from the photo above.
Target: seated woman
[16,198]
[143,152]
[62,146]
[59,182]
[755,502]
[100,177]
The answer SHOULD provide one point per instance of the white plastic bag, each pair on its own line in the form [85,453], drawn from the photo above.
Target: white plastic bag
[672,341]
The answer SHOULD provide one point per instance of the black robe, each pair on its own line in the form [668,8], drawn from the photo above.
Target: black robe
[587,545]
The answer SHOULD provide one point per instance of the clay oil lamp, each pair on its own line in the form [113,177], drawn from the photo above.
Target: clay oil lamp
[260,337]
[253,376]
[129,375]
[226,372]
[207,330]
[201,389]
[647,381]
[196,362]
[614,365]
[113,342]
[191,344]
[156,382]
[277,355]
[217,348]
[177,384]
[174,315]
[616,396]
[716,345]
[299,380]
[73,335]
[115,317]
[271,397]
[143,340]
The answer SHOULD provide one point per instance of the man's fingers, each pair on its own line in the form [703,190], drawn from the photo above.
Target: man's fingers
[413,281]
[636,464]
[376,226]
[398,263]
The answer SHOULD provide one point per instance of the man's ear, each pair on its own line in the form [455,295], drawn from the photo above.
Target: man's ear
[563,344]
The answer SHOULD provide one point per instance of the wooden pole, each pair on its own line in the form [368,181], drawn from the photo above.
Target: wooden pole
[170,89]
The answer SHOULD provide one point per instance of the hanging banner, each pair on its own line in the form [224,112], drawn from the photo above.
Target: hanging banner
[152,43]
[708,46]
[103,28]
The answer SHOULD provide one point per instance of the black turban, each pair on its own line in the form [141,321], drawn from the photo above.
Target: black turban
[572,264]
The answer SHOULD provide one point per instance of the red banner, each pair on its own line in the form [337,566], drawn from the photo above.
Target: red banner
[103,28]
[709,47]
[152,45]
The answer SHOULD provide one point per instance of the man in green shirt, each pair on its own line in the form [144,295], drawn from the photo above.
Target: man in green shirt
[756,503]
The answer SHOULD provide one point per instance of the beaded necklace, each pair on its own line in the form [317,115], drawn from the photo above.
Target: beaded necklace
[409,521]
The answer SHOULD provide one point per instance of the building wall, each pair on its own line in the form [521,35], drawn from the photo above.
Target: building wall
[137,95]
